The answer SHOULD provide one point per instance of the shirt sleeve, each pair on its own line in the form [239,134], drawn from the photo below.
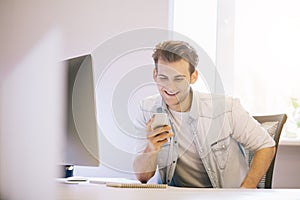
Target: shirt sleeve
[140,130]
[247,130]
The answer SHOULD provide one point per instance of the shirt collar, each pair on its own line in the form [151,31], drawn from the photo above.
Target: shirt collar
[194,111]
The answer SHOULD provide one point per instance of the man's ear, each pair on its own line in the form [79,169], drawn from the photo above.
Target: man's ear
[194,76]
[154,74]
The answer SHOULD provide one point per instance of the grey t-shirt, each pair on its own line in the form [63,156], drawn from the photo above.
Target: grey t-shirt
[189,171]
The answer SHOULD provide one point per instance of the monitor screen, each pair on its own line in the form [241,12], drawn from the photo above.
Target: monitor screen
[81,141]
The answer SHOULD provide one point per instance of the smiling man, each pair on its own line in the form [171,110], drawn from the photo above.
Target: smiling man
[203,145]
[174,83]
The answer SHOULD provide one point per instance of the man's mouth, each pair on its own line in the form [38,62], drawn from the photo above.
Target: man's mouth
[171,93]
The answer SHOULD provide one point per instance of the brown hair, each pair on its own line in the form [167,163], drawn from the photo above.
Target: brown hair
[173,51]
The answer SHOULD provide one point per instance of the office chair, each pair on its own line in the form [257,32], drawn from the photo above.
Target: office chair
[274,125]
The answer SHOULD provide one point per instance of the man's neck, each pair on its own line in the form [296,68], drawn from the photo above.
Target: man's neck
[184,106]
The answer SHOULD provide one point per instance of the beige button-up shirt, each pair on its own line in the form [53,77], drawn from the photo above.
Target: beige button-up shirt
[222,128]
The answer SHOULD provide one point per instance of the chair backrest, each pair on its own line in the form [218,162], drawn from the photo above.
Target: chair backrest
[274,125]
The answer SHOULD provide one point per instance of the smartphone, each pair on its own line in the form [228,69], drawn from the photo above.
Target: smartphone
[160,119]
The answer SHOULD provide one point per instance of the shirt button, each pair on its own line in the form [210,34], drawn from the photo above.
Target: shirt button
[208,169]
[223,146]
[174,161]
[175,142]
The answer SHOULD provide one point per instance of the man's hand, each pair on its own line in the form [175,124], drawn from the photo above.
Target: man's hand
[157,137]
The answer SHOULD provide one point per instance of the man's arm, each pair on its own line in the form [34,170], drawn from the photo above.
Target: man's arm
[145,163]
[260,164]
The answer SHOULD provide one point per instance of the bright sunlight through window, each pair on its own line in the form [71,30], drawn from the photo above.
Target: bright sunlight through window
[266,67]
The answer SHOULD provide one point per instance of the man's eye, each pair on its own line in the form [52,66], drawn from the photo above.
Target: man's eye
[178,79]
[163,78]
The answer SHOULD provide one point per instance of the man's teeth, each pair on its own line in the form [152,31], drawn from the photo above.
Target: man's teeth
[171,93]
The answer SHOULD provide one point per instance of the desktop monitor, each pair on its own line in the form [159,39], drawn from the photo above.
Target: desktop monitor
[81,140]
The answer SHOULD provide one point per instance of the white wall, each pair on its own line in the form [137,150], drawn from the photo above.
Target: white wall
[286,169]
[50,31]
[83,25]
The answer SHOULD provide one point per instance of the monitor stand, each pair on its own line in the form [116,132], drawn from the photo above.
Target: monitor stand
[68,171]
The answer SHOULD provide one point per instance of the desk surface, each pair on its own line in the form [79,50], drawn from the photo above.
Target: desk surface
[101,191]
[289,141]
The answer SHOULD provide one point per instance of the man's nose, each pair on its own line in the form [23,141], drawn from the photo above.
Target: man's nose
[171,85]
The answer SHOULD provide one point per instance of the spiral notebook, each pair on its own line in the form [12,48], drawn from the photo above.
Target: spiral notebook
[137,185]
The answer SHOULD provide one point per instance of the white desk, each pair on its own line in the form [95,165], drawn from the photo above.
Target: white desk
[96,191]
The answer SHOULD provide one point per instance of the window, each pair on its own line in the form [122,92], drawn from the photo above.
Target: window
[197,20]
[264,66]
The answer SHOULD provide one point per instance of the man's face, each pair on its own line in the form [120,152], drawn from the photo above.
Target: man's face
[173,82]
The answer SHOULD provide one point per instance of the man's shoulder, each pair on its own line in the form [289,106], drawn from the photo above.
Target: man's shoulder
[152,99]
[151,102]
[208,98]
[208,103]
